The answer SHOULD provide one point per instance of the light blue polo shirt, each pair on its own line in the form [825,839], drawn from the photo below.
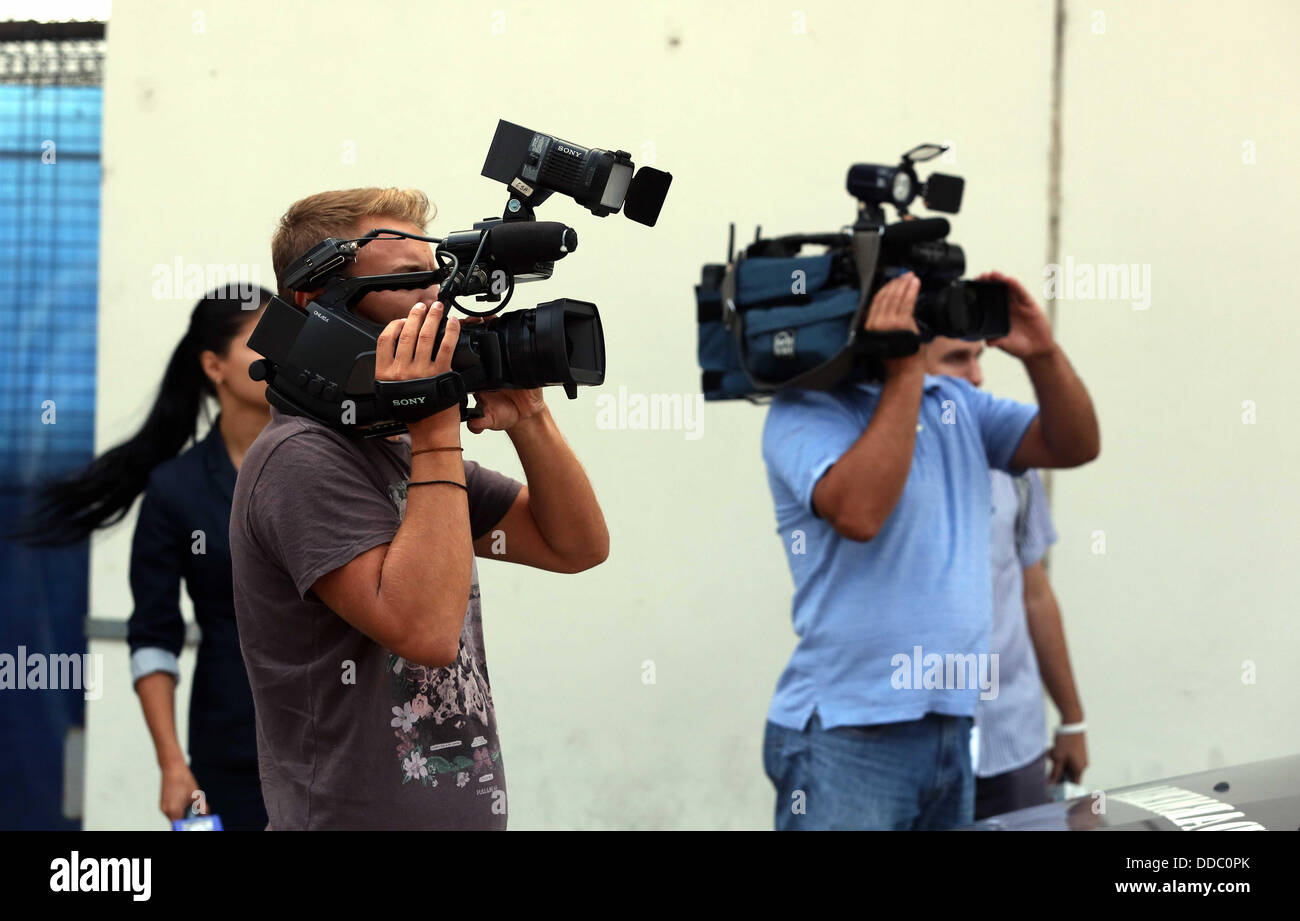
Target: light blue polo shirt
[871,617]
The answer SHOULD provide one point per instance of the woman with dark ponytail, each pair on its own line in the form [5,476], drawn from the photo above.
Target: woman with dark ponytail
[182,533]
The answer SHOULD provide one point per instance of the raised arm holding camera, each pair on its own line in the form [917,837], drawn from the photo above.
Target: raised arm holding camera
[354,558]
[882,499]
[356,523]
[879,473]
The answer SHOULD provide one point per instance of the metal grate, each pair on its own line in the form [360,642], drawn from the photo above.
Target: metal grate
[50,114]
[52,53]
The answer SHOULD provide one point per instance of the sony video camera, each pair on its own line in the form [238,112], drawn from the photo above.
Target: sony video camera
[319,361]
[775,319]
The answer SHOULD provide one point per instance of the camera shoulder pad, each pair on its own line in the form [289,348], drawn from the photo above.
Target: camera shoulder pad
[413,400]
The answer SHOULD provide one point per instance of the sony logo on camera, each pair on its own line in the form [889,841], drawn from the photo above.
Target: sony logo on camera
[408,401]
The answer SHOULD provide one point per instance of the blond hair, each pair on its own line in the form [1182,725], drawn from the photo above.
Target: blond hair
[338,214]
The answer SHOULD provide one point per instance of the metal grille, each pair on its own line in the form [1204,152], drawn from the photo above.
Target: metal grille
[50,114]
[52,54]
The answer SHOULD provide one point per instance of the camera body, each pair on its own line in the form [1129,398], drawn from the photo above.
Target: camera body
[319,361]
[774,318]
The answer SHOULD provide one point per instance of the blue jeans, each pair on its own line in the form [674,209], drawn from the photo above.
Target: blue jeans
[892,776]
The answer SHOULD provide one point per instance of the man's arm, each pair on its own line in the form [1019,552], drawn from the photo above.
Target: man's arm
[410,595]
[555,523]
[1069,753]
[1065,432]
[858,493]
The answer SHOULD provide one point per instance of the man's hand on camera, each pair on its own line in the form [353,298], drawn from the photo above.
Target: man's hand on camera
[404,352]
[504,409]
[893,310]
[1031,334]
[893,306]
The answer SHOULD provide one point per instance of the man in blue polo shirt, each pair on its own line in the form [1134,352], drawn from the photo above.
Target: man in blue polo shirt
[883,504]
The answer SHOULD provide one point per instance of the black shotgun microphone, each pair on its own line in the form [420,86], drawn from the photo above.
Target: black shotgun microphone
[520,245]
[923,230]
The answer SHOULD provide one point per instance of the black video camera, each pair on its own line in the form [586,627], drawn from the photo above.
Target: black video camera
[774,319]
[947,304]
[319,362]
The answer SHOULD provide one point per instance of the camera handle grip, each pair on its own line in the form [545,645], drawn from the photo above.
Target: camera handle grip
[413,400]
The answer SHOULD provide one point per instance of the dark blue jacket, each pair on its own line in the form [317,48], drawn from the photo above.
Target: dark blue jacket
[188,494]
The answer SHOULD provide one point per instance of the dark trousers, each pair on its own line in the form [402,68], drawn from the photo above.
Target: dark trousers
[1018,789]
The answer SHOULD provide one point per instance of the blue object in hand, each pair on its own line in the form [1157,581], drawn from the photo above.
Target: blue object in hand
[198,823]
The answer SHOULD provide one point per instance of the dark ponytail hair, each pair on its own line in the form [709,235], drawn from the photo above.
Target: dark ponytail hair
[69,509]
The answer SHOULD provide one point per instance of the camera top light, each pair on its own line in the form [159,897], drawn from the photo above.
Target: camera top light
[620,177]
[902,187]
[874,184]
[534,165]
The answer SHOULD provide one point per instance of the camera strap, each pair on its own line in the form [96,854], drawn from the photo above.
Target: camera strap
[413,400]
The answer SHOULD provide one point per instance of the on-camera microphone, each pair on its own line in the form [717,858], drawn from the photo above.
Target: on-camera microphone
[521,244]
[923,230]
[514,245]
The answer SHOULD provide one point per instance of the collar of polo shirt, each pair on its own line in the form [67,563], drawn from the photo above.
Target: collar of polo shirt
[932,382]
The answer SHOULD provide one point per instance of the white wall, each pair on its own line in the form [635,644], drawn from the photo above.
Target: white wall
[210,135]
[1198,579]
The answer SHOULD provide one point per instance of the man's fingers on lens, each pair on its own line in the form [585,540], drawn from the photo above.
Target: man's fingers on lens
[386,347]
[908,293]
[428,334]
[410,334]
[911,309]
[387,340]
[893,305]
[880,306]
[442,361]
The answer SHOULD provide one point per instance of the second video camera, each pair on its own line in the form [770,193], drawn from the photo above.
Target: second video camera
[773,318]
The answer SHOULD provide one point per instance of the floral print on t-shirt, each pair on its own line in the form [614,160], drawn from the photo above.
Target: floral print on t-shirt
[440,719]
[440,716]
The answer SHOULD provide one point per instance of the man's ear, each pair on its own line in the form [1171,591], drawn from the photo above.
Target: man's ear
[300,298]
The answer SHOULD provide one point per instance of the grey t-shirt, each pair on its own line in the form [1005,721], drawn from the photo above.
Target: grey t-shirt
[349,735]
